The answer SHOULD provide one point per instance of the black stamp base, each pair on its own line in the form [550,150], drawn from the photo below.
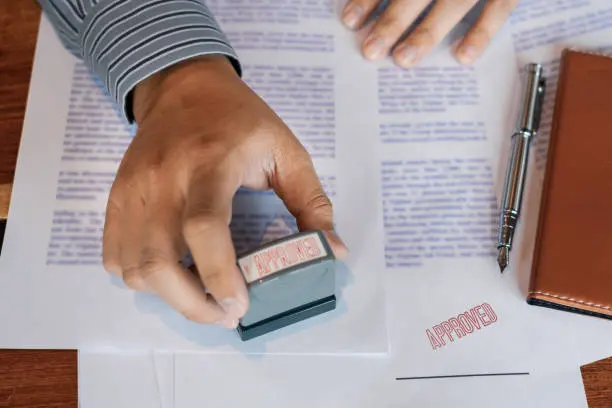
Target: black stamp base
[287,318]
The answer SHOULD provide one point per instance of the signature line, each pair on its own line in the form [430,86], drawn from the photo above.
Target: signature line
[458,376]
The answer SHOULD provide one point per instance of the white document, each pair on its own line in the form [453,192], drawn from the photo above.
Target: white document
[164,371]
[484,327]
[118,380]
[445,134]
[133,380]
[360,382]
[72,142]
[449,309]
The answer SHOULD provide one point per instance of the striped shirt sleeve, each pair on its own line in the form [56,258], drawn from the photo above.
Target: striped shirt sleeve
[126,41]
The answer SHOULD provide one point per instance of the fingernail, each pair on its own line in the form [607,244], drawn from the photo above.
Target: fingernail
[467,53]
[233,307]
[373,48]
[352,15]
[407,56]
[228,323]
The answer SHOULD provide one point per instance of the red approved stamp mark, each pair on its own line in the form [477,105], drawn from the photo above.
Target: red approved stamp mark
[281,255]
[461,325]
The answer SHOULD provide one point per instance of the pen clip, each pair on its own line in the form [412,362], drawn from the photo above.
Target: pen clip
[538,104]
[533,101]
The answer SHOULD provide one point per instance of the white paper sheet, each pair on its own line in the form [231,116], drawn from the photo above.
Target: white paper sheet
[128,380]
[125,379]
[118,380]
[164,371]
[440,205]
[57,213]
[514,337]
[338,382]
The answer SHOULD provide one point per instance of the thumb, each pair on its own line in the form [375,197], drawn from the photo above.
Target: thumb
[297,184]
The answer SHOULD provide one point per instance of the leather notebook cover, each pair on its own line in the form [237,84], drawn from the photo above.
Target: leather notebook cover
[572,265]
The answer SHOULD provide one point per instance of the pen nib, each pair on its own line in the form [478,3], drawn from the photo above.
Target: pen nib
[502,258]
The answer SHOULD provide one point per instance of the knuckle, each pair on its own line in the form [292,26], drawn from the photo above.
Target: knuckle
[320,201]
[425,36]
[320,206]
[480,35]
[151,266]
[385,21]
[213,278]
[199,224]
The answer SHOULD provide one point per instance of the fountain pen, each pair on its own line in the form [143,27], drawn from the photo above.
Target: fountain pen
[526,129]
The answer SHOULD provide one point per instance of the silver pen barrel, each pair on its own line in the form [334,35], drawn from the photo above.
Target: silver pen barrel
[514,187]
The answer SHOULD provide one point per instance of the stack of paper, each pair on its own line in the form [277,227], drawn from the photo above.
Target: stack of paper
[414,162]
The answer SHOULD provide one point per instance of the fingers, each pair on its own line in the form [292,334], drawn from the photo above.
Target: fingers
[110,239]
[494,15]
[206,231]
[132,222]
[296,183]
[161,269]
[440,20]
[390,26]
[144,245]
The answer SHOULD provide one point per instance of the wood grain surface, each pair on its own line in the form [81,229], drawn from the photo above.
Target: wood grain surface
[48,378]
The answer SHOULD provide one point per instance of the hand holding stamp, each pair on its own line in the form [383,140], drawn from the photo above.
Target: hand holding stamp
[288,280]
[173,191]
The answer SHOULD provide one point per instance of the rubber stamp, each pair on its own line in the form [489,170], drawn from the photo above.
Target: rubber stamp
[289,280]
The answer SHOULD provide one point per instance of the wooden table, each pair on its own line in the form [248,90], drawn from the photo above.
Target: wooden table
[49,378]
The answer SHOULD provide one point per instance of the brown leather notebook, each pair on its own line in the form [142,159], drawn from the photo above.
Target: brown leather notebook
[572,265]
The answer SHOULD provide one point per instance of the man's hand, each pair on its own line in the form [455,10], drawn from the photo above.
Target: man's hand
[202,134]
[439,21]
